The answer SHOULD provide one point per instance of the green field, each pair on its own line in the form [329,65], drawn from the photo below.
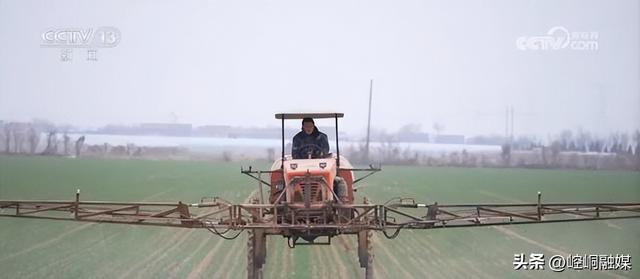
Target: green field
[61,249]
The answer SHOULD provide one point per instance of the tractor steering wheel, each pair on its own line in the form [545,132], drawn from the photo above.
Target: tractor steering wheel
[311,149]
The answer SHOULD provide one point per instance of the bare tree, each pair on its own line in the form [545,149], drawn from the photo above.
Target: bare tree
[556,148]
[33,138]
[52,143]
[66,142]
[614,142]
[566,136]
[19,131]
[7,138]
[583,140]
[636,138]
[79,144]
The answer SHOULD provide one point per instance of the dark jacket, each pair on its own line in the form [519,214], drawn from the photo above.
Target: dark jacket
[302,145]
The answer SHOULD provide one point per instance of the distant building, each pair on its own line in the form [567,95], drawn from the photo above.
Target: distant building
[217,131]
[486,140]
[450,139]
[166,129]
[413,137]
[255,133]
[117,130]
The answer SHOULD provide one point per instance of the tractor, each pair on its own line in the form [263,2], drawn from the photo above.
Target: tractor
[315,192]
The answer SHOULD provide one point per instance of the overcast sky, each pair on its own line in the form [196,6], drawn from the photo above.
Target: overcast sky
[239,62]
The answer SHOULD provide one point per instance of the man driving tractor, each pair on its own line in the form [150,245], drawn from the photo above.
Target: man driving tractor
[310,143]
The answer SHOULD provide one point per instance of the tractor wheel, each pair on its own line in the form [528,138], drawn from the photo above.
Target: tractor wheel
[256,253]
[369,269]
[365,252]
[340,188]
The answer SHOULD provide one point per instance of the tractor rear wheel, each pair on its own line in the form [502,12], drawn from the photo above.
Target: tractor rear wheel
[365,252]
[256,253]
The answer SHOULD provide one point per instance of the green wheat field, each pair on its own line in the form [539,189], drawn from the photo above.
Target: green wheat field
[64,249]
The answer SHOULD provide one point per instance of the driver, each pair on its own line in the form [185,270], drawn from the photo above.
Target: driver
[309,142]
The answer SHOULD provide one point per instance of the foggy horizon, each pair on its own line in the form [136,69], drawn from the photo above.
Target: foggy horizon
[457,64]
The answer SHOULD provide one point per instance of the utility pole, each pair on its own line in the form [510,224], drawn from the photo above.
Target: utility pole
[512,113]
[508,124]
[366,155]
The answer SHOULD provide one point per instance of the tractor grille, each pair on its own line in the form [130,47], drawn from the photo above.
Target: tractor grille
[316,192]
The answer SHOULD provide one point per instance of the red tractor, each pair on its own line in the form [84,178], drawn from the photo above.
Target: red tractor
[313,195]
[313,182]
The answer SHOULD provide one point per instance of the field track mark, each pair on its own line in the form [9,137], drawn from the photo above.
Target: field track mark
[316,261]
[435,260]
[378,265]
[47,242]
[234,253]
[432,273]
[544,246]
[504,198]
[338,259]
[153,255]
[286,273]
[157,194]
[272,255]
[427,243]
[344,243]
[64,262]
[612,225]
[149,267]
[413,249]
[422,253]
[59,237]
[235,250]
[330,263]
[391,257]
[453,269]
[202,265]
[144,199]
[511,233]
[174,270]
[352,255]
[329,271]
[334,266]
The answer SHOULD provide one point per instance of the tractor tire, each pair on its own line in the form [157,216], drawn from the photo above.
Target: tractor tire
[365,252]
[369,269]
[256,254]
[340,188]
